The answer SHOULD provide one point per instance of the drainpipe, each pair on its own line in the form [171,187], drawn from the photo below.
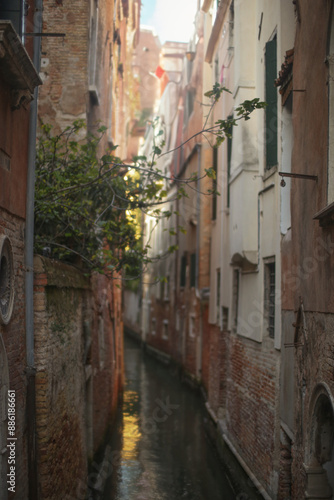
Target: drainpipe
[29,265]
[198,239]
[198,215]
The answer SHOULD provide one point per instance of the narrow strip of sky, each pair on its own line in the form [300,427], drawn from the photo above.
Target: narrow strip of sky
[173,20]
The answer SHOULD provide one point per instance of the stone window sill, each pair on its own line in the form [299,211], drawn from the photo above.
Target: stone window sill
[269,172]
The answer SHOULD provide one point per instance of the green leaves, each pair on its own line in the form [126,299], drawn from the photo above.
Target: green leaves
[81,202]
[210,173]
[216,91]
[88,206]
[223,128]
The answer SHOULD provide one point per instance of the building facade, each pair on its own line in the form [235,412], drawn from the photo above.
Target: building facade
[307,260]
[19,81]
[60,337]
[86,73]
[246,307]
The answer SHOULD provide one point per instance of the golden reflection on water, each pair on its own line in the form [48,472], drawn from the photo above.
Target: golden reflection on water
[131,432]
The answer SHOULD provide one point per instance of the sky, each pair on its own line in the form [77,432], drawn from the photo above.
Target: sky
[172,20]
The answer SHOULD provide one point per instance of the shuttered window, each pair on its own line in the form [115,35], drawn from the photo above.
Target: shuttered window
[269,290]
[193,269]
[12,10]
[271,100]
[183,275]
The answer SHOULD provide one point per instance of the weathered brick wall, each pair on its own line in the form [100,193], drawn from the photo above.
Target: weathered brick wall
[78,373]
[216,357]
[314,368]
[64,65]
[60,379]
[307,251]
[160,311]
[207,341]
[251,404]
[13,336]
[106,359]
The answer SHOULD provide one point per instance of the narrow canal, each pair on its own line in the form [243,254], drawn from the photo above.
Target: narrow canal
[159,446]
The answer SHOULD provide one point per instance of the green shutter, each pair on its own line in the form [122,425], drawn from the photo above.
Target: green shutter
[193,269]
[11,10]
[183,271]
[271,99]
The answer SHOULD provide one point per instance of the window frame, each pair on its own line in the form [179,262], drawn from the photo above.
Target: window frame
[270,295]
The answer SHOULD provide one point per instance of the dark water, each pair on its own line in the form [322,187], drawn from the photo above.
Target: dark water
[159,449]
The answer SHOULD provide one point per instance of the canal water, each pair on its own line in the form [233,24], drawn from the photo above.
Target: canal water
[159,449]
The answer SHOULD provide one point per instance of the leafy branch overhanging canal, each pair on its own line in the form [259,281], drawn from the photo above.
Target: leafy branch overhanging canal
[88,206]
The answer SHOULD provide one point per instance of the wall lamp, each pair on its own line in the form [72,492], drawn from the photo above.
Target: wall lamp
[190,55]
[296,176]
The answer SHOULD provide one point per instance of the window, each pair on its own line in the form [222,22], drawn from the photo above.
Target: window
[12,10]
[166,289]
[177,321]
[153,326]
[271,100]
[193,270]
[235,297]
[165,329]
[192,325]
[190,101]
[183,273]
[218,296]
[224,318]
[269,296]
[231,26]
[94,16]
[217,72]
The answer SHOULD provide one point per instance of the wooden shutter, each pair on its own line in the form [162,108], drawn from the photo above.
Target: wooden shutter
[183,270]
[271,99]
[193,269]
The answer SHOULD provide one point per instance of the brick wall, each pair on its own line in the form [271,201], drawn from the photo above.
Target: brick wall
[251,401]
[77,343]
[307,252]
[314,369]
[64,65]
[13,336]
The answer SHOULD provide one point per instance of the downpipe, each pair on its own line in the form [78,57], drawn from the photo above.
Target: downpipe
[198,240]
[29,268]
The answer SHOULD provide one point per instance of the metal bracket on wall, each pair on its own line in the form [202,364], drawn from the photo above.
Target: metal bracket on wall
[46,34]
[297,176]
